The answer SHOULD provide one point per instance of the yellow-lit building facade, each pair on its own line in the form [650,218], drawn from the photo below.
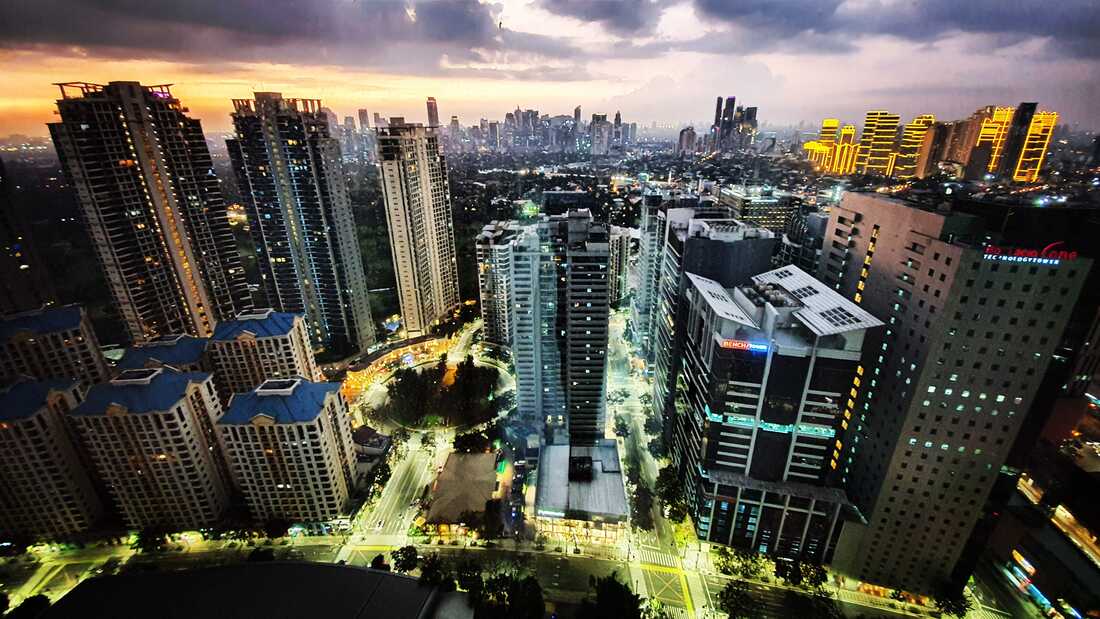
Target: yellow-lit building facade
[1035,147]
[876,153]
[905,164]
[834,152]
[994,131]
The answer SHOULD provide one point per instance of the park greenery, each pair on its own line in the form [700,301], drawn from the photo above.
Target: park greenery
[611,597]
[951,601]
[428,395]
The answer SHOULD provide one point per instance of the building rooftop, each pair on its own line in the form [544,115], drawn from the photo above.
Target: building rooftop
[41,321]
[291,400]
[25,398]
[720,300]
[603,497]
[823,310]
[139,391]
[275,590]
[167,349]
[465,485]
[260,323]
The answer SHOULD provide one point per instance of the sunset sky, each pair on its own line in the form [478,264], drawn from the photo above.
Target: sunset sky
[663,60]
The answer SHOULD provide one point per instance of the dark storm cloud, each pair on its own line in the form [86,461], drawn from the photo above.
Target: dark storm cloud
[1072,26]
[376,34]
[623,17]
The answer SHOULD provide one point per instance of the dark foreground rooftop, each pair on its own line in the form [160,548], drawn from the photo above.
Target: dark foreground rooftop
[273,590]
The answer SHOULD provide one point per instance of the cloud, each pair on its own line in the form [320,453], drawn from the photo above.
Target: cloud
[387,35]
[1070,27]
[622,17]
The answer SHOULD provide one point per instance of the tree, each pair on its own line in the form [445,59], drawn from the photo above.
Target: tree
[31,607]
[434,572]
[150,539]
[736,600]
[492,527]
[643,508]
[404,559]
[789,571]
[749,564]
[379,563]
[813,574]
[468,576]
[613,598]
[670,490]
[276,528]
[4,602]
[507,596]
[898,595]
[653,425]
[952,601]
[724,560]
[622,428]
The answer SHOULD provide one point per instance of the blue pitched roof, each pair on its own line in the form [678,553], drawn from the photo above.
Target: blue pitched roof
[187,350]
[278,323]
[302,405]
[24,399]
[161,393]
[41,322]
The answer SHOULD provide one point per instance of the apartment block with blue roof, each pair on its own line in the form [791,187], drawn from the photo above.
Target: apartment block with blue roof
[185,353]
[260,345]
[289,447]
[52,342]
[46,493]
[148,433]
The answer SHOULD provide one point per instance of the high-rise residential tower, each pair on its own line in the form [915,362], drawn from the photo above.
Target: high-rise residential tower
[912,137]
[290,174]
[152,206]
[494,278]
[559,323]
[45,493]
[876,143]
[418,210]
[258,346]
[620,241]
[1034,147]
[53,342]
[289,448]
[149,435]
[973,321]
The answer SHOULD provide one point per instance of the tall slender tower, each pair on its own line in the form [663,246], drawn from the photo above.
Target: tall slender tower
[290,174]
[909,149]
[1016,136]
[1034,148]
[152,205]
[418,210]
[433,112]
[876,143]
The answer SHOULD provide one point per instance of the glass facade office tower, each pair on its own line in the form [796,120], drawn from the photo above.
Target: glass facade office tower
[291,177]
[758,410]
[152,206]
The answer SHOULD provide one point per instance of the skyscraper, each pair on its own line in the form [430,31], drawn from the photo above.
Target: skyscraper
[24,281]
[559,323]
[1016,136]
[876,143]
[619,244]
[992,134]
[53,342]
[258,346]
[1034,147]
[364,120]
[653,206]
[686,144]
[905,165]
[418,210]
[758,410]
[152,205]
[291,177]
[433,112]
[494,278]
[973,320]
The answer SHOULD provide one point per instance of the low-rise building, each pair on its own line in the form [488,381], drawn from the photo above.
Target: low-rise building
[148,435]
[580,495]
[45,493]
[462,489]
[289,448]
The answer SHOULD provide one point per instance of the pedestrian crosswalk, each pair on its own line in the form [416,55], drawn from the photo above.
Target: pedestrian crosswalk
[655,557]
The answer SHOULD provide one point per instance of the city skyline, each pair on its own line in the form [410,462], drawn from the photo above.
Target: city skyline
[480,60]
